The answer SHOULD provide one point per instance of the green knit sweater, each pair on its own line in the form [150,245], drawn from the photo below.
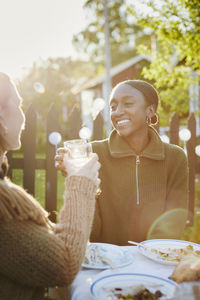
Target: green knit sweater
[137,189]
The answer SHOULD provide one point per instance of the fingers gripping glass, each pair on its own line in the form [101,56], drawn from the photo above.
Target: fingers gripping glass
[78,151]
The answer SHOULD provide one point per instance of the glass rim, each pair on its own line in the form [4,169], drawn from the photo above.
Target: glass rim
[75,142]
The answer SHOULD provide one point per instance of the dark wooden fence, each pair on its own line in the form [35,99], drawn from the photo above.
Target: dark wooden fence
[29,163]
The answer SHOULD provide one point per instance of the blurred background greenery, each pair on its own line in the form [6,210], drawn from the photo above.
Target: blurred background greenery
[40,185]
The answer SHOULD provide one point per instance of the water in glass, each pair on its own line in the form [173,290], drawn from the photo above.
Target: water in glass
[78,151]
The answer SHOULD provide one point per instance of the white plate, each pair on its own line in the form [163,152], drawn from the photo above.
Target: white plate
[118,256]
[163,245]
[103,287]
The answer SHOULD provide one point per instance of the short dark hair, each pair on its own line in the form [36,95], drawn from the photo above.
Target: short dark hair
[149,92]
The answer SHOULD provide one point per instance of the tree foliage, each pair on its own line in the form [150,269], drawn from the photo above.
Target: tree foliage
[176,25]
[52,81]
[124,32]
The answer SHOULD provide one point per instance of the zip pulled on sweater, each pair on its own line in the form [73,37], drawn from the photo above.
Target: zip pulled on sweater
[137,182]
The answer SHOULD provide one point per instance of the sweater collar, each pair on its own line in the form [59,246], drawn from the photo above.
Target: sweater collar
[118,147]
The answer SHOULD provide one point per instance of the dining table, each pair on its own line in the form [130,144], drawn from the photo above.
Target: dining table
[80,289]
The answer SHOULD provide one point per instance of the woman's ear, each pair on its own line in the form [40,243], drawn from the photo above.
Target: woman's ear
[151,111]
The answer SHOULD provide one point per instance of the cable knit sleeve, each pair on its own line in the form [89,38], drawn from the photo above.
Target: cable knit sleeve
[75,220]
[96,228]
[34,255]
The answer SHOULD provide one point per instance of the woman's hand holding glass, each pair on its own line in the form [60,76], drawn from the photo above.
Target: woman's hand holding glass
[90,169]
[81,162]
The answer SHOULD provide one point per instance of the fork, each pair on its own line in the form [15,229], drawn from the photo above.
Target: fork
[146,247]
[137,244]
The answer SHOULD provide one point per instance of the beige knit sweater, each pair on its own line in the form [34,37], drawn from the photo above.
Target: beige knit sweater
[34,256]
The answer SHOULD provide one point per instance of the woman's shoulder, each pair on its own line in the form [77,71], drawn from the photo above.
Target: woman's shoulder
[99,145]
[174,151]
[17,204]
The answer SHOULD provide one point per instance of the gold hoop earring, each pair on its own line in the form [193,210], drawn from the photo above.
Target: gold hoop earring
[154,119]
[148,120]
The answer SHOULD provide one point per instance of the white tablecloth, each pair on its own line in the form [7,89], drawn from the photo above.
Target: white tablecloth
[80,289]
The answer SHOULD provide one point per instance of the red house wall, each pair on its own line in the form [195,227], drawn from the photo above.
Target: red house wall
[124,75]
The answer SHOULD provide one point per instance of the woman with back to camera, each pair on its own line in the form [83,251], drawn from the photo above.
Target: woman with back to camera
[142,177]
[34,253]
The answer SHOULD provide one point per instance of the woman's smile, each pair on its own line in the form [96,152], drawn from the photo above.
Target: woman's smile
[123,122]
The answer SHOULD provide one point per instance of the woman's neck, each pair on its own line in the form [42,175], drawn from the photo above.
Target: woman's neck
[138,141]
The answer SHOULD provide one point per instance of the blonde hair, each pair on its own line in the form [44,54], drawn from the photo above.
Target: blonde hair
[16,203]
[4,95]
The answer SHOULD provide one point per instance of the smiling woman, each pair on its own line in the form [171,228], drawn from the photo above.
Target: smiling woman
[141,176]
[131,112]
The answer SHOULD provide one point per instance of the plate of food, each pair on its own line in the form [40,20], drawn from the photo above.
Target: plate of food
[105,256]
[167,251]
[132,285]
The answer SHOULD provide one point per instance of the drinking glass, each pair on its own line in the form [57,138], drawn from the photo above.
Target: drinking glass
[78,151]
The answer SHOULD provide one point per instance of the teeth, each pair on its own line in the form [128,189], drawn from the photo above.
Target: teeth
[122,122]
